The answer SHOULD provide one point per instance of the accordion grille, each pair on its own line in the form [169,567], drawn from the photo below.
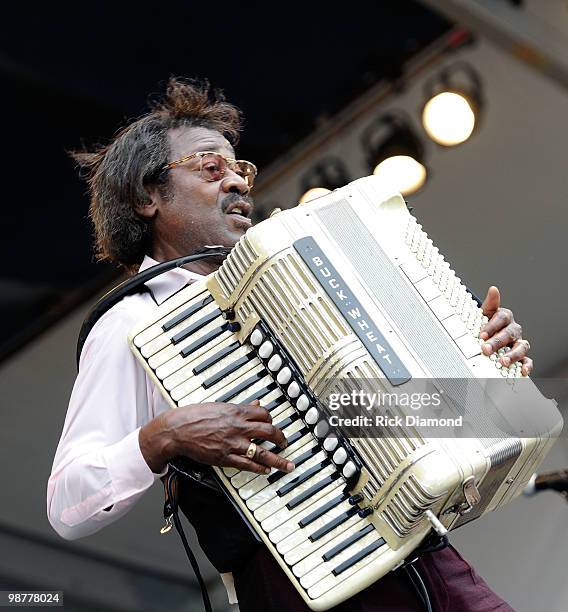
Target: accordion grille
[239,260]
[403,513]
[286,298]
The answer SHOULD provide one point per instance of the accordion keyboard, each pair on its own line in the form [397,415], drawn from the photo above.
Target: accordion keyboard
[317,529]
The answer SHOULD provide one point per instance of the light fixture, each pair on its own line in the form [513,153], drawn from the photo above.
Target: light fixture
[453,104]
[395,153]
[325,176]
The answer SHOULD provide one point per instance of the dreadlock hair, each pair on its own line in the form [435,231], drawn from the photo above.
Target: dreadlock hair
[117,174]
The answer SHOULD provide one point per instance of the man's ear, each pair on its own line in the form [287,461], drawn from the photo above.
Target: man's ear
[149,208]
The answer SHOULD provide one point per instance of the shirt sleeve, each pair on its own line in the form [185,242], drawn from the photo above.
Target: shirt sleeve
[99,472]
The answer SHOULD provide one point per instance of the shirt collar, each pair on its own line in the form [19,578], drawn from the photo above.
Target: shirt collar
[165,285]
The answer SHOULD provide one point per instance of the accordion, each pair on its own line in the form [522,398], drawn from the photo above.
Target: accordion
[347,297]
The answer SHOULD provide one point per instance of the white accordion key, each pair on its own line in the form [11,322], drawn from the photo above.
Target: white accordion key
[283,516]
[315,559]
[299,546]
[292,543]
[322,579]
[250,488]
[262,497]
[292,523]
[264,510]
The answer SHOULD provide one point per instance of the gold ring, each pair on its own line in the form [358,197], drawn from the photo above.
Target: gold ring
[251,451]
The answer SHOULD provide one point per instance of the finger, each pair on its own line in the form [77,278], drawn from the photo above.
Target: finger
[242,463]
[527,366]
[491,302]
[506,336]
[517,353]
[498,321]
[267,458]
[250,412]
[266,431]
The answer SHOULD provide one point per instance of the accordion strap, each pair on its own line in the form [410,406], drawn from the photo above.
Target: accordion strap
[171,514]
[136,285]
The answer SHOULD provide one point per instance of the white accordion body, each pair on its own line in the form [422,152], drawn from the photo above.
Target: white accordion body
[348,292]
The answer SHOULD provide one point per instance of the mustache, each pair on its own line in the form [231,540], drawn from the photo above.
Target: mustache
[233,198]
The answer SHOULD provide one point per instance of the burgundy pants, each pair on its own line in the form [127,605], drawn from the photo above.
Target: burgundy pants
[453,586]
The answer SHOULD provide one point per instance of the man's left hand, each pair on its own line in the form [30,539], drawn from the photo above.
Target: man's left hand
[502,330]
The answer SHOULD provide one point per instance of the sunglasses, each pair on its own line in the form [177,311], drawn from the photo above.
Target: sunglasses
[212,166]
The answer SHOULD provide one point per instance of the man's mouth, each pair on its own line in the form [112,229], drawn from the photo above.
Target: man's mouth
[241,211]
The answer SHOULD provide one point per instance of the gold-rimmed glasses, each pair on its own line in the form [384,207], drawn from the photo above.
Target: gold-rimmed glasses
[212,166]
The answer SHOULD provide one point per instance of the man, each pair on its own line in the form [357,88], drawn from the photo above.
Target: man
[166,186]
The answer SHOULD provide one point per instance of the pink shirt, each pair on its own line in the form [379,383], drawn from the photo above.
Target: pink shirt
[98,463]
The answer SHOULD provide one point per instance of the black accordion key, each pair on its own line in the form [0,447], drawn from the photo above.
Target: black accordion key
[296,436]
[208,337]
[232,367]
[188,312]
[355,558]
[275,403]
[297,462]
[312,491]
[260,393]
[200,368]
[347,543]
[188,331]
[307,520]
[287,421]
[295,482]
[239,388]
[338,520]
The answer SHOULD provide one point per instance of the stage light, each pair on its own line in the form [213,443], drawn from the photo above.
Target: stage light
[403,173]
[395,153]
[312,194]
[453,105]
[325,176]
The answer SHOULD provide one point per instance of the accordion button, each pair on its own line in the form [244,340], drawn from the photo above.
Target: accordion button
[275,363]
[302,403]
[330,443]
[266,350]
[312,416]
[256,337]
[350,469]
[321,429]
[293,389]
[340,456]
[284,376]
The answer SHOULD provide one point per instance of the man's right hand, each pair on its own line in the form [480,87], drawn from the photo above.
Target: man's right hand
[215,434]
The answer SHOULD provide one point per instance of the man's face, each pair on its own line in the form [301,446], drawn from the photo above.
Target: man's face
[198,213]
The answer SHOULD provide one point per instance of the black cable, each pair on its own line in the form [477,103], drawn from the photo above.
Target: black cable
[419,586]
[192,559]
